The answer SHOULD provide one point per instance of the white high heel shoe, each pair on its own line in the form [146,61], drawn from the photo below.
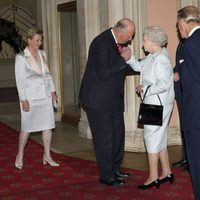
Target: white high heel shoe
[50,162]
[18,165]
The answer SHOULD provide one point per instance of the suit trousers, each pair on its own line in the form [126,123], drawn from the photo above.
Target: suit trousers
[192,139]
[108,134]
[179,106]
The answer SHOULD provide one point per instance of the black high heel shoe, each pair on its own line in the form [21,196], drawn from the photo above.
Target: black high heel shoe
[155,183]
[169,178]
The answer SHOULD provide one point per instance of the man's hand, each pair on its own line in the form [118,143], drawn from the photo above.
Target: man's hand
[176,77]
[126,53]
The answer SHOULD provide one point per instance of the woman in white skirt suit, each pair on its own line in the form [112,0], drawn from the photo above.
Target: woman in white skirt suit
[156,70]
[36,95]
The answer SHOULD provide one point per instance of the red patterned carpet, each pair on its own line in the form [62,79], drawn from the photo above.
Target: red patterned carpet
[75,179]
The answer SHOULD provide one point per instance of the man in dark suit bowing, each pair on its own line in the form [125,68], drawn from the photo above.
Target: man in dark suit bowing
[102,97]
[189,26]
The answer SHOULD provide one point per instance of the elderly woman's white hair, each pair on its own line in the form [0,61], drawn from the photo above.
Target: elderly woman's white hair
[156,34]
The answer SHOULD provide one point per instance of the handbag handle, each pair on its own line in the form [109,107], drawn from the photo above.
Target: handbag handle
[146,93]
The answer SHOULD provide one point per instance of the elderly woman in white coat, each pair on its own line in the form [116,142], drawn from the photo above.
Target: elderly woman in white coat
[156,70]
[36,94]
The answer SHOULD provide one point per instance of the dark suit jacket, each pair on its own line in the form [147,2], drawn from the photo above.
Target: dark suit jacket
[102,86]
[177,84]
[190,81]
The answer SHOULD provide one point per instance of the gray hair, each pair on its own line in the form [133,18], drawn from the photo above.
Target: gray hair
[189,14]
[122,24]
[156,34]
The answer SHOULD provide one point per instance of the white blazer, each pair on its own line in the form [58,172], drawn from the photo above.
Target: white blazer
[32,83]
[156,70]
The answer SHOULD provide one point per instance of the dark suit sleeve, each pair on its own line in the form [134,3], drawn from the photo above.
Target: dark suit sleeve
[107,61]
[192,55]
[129,71]
[175,69]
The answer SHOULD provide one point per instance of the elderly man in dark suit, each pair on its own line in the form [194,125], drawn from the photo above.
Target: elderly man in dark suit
[189,26]
[179,98]
[102,97]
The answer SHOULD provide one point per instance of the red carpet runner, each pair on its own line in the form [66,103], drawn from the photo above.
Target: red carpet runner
[75,179]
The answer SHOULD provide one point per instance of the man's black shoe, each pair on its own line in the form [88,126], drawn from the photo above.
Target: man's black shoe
[112,182]
[183,163]
[121,175]
[186,167]
[180,163]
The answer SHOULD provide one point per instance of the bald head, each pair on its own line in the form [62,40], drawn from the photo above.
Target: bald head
[124,23]
[124,30]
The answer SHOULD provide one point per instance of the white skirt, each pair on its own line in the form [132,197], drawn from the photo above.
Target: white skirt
[40,116]
[155,137]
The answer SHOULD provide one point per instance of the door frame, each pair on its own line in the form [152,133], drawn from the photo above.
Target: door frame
[71,119]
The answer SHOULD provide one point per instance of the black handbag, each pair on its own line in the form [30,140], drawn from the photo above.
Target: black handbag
[150,114]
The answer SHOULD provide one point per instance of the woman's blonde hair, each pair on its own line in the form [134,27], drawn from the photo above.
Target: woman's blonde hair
[30,33]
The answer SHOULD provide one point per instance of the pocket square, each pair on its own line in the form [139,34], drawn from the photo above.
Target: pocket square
[180,61]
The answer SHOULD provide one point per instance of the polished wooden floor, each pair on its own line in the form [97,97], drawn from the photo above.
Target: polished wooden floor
[67,141]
